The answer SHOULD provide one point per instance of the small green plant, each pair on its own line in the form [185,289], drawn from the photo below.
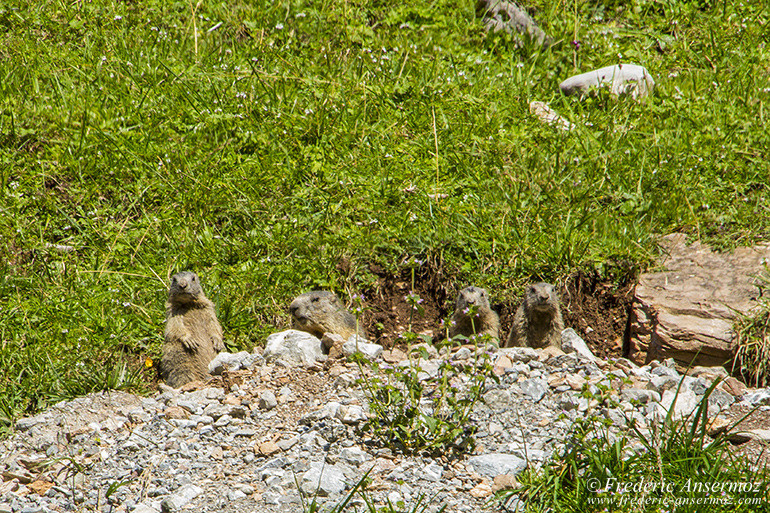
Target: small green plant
[672,466]
[419,412]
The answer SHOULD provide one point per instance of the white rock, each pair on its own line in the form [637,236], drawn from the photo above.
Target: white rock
[534,388]
[621,79]
[231,362]
[520,354]
[360,344]
[495,464]
[352,414]
[267,400]
[572,343]
[294,348]
[325,479]
[181,498]
[686,402]
[354,456]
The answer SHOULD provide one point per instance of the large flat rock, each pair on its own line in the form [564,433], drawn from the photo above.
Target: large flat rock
[686,312]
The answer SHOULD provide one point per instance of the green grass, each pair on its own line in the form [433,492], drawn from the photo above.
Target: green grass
[258,143]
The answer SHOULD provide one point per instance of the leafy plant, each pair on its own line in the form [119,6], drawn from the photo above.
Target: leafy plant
[419,412]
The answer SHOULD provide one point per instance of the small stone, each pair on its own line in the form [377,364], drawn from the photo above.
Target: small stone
[757,398]
[40,487]
[733,387]
[497,399]
[520,354]
[268,449]
[326,480]
[534,389]
[353,456]
[353,414]
[575,382]
[549,352]
[504,482]
[234,495]
[494,464]
[230,362]
[481,490]
[394,356]
[144,508]
[267,400]
[718,401]
[639,395]
[181,498]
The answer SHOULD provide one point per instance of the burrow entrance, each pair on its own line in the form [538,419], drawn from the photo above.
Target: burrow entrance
[597,309]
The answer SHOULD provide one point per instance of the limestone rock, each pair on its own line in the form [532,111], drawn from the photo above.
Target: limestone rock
[547,115]
[230,362]
[293,348]
[326,480]
[572,343]
[621,79]
[356,343]
[534,389]
[181,498]
[495,464]
[686,312]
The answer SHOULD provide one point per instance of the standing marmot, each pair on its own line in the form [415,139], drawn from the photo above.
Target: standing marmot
[320,312]
[538,322]
[193,334]
[486,320]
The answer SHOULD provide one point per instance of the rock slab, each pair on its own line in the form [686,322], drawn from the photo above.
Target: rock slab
[686,312]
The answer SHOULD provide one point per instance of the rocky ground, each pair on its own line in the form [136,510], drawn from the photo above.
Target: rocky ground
[246,439]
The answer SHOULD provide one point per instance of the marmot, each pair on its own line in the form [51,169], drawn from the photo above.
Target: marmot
[485,322]
[538,322]
[193,334]
[320,312]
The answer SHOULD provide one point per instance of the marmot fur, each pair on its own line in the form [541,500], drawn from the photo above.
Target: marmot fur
[485,322]
[320,312]
[193,334]
[538,322]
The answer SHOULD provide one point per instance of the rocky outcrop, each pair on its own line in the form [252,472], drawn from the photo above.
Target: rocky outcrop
[686,311]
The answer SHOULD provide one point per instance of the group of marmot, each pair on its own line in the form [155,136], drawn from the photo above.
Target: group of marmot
[193,336]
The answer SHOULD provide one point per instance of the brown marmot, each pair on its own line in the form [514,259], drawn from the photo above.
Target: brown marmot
[193,334]
[485,322]
[538,322]
[320,312]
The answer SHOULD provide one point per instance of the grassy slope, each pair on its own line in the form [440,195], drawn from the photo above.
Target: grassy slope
[258,145]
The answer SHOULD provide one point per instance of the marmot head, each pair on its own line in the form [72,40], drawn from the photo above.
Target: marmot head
[472,296]
[185,287]
[316,311]
[542,297]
